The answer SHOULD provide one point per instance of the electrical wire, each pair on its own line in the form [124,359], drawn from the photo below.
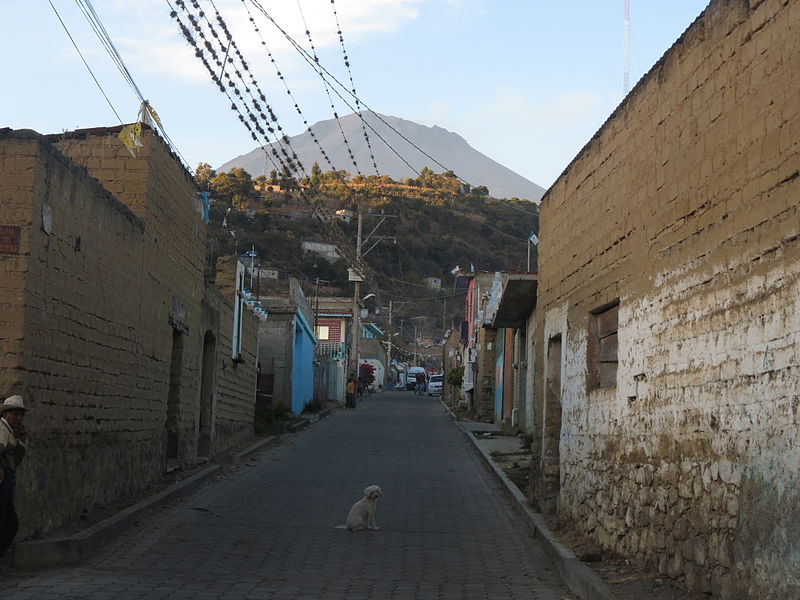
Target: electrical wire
[328,92]
[105,39]
[100,87]
[352,83]
[319,69]
[286,85]
[319,212]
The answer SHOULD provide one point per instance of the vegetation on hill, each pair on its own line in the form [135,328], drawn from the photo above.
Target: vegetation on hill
[439,223]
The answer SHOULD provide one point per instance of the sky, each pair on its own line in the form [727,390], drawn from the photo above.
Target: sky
[525,82]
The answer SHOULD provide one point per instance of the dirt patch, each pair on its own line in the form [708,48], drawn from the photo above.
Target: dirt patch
[627,580]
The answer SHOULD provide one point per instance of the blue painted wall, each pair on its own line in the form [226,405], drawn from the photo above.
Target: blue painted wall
[302,364]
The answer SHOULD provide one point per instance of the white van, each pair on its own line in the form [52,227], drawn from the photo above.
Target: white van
[435,385]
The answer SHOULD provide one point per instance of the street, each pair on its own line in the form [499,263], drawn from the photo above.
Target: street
[267,531]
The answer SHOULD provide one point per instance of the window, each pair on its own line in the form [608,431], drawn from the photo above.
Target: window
[605,322]
[238,312]
[323,332]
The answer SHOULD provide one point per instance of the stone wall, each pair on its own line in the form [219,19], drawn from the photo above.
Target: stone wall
[101,327]
[669,253]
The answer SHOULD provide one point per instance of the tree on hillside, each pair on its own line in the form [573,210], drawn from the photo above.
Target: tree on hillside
[286,180]
[203,175]
[235,183]
[315,179]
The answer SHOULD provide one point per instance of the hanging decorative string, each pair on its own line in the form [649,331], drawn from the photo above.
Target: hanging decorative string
[320,212]
[352,83]
[271,124]
[328,92]
[286,85]
[199,53]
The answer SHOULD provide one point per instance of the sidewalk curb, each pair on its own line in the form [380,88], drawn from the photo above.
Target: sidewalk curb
[38,554]
[577,576]
[68,550]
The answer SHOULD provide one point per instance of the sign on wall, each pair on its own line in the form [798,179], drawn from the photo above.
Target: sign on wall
[9,239]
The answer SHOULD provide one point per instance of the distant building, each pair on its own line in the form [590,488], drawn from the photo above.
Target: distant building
[434,283]
[345,215]
[327,251]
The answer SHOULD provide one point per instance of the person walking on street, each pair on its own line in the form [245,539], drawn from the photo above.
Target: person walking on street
[350,392]
[420,388]
[12,450]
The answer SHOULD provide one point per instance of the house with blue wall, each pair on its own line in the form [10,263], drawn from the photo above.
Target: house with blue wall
[286,344]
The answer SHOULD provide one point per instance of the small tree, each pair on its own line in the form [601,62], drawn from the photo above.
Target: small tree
[367,373]
[455,376]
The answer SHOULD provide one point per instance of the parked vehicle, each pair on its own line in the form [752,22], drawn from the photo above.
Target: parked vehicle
[435,385]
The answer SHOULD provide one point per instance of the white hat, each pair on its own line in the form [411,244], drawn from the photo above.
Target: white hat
[12,403]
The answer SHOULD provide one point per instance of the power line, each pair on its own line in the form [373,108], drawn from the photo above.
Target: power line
[352,83]
[108,44]
[320,70]
[253,113]
[88,68]
[328,92]
[320,212]
[286,85]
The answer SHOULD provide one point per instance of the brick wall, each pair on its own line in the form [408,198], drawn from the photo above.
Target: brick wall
[684,209]
[101,327]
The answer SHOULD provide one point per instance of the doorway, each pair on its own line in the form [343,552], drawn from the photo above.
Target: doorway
[205,428]
[172,424]
[551,460]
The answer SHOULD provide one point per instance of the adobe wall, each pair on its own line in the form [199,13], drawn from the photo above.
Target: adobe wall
[169,283]
[77,364]
[233,406]
[685,207]
[100,290]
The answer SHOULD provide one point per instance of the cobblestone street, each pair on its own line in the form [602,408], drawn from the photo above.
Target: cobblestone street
[268,531]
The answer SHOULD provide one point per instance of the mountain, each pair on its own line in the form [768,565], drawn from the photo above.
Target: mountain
[448,148]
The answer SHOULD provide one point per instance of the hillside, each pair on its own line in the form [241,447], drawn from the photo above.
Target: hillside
[444,146]
[437,223]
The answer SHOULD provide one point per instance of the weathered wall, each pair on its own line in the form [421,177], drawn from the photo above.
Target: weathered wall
[101,329]
[92,398]
[235,389]
[276,350]
[169,283]
[685,207]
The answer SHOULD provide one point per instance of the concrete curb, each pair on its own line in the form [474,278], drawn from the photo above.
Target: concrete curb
[577,576]
[38,554]
[68,550]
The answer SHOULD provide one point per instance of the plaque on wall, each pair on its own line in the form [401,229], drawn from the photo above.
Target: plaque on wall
[9,239]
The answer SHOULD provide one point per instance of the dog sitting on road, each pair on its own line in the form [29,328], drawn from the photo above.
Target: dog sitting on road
[362,514]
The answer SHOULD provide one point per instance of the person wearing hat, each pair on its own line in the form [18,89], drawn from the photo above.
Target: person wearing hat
[12,450]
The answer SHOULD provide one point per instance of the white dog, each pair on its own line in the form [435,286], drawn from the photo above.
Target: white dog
[362,514]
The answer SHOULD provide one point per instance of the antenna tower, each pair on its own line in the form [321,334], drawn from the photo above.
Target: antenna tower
[626,84]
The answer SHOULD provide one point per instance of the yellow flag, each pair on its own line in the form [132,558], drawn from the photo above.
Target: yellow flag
[131,137]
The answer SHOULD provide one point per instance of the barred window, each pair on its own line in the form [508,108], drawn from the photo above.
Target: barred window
[605,322]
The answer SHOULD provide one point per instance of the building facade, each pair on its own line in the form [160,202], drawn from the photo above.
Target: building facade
[106,325]
[668,319]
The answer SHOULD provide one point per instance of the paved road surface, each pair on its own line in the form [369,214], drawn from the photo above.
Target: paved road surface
[267,531]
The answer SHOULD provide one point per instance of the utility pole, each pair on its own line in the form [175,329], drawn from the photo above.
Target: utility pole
[389,359]
[356,296]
